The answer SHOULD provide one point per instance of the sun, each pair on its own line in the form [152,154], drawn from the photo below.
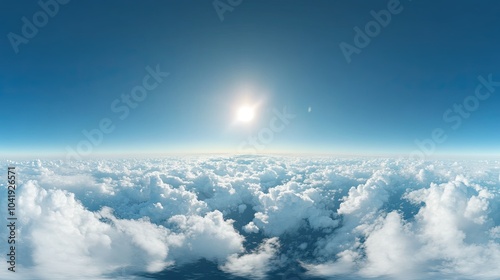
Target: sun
[245,114]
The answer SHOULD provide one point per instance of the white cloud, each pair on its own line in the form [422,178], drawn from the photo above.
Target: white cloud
[210,237]
[256,264]
[344,264]
[287,207]
[389,249]
[387,218]
[251,228]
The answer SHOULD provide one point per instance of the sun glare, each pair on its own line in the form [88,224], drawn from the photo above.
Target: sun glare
[245,114]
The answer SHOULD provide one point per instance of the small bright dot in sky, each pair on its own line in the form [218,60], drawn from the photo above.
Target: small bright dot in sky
[404,94]
[245,114]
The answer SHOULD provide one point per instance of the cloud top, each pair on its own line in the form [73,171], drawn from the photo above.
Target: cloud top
[256,216]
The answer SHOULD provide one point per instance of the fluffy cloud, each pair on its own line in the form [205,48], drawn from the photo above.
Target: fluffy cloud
[362,218]
[63,238]
[210,237]
[451,234]
[284,208]
[256,264]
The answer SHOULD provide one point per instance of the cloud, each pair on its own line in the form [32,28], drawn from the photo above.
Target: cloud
[337,217]
[251,228]
[286,207]
[256,264]
[210,237]
[56,229]
[450,235]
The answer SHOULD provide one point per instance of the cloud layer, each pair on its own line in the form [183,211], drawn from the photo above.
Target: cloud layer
[255,217]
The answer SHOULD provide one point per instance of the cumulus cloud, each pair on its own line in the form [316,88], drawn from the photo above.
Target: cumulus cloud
[252,216]
[256,264]
[450,235]
[286,207]
[251,228]
[56,229]
[210,237]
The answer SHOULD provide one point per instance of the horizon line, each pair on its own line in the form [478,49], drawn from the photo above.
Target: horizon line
[149,154]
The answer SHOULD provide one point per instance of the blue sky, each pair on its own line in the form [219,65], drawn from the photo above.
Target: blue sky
[275,54]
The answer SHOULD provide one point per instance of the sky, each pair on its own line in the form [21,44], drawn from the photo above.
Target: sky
[284,59]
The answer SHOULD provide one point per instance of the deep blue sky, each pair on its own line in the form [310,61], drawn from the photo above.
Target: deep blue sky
[278,53]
